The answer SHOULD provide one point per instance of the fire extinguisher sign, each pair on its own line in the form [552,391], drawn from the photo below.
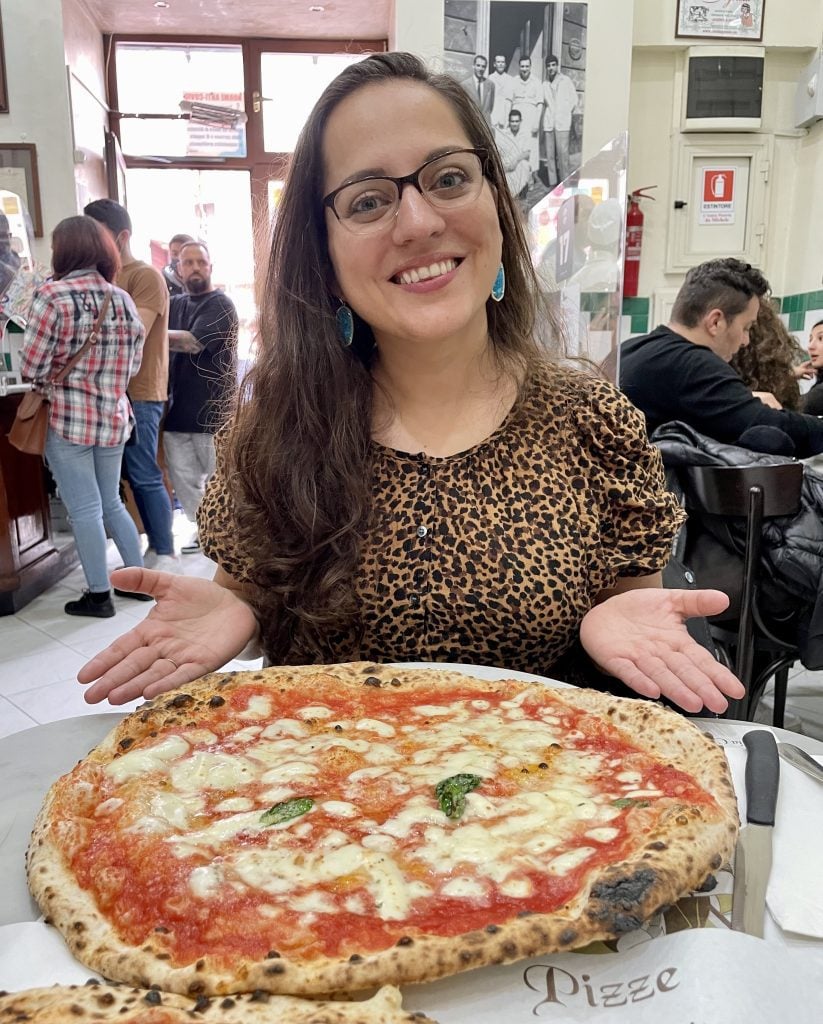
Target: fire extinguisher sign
[717,202]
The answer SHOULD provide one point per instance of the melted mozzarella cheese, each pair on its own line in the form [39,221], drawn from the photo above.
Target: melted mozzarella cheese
[285,727]
[206,769]
[147,759]
[258,707]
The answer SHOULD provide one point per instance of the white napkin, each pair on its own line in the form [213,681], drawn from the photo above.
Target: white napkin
[795,893]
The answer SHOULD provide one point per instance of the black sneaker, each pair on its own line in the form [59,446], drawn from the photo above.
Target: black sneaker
[133,595]
[98,606]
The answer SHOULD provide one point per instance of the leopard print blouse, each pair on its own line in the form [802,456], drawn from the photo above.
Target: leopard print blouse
[494,555]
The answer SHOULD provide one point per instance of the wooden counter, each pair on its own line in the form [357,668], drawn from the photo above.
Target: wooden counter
[30,560]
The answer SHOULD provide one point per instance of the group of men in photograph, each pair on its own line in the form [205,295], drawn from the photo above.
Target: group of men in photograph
[518,108]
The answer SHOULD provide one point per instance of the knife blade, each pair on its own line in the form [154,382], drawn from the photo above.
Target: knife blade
[753,856]
[800,759]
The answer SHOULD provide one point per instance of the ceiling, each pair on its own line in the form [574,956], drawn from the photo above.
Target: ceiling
[290,19]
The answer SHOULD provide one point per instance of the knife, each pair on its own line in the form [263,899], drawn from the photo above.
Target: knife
[753,856]
[800,759]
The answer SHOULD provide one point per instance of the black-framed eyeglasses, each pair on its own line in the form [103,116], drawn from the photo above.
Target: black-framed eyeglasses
[446,182]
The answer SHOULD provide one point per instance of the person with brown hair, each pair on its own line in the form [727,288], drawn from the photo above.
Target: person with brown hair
[409,475]
[813,400]
[773,362]
[90,415]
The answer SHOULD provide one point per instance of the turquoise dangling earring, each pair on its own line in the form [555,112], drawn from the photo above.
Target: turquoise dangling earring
[345,324]
[499,286]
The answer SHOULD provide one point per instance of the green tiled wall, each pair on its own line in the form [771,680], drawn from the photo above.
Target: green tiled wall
[638,310]
[798,305]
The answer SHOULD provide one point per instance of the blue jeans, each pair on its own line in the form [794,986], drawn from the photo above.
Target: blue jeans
[88,481]
[146,478]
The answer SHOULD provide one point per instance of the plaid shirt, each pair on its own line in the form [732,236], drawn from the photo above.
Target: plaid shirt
[90,407]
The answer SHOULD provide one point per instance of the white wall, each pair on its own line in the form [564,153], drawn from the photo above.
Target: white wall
[83,44]
[794,257]
[39,103]
[418,27]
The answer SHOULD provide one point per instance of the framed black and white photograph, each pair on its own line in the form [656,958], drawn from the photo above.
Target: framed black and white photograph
[720,19]
[524,64]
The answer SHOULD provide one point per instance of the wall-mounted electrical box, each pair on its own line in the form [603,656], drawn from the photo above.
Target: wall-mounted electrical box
[808,101]
[723,89]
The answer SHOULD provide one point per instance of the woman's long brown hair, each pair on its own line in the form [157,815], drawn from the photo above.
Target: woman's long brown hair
[298,450]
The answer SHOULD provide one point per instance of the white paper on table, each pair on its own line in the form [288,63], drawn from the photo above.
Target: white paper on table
[795,893]
[34,954]
[704,976]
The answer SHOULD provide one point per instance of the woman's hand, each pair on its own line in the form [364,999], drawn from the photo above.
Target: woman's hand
[195,627]
[805,371]
[640,638]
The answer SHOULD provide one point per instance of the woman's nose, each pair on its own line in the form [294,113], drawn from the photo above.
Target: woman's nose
[415,216]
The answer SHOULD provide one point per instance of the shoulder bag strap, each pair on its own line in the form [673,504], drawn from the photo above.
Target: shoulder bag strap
[91,340]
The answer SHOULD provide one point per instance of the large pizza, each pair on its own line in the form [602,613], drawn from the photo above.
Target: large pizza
[324,830]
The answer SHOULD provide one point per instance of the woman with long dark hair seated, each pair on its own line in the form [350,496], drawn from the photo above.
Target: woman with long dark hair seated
[410,474]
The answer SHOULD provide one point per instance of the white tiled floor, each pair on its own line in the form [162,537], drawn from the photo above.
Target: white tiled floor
[42,648]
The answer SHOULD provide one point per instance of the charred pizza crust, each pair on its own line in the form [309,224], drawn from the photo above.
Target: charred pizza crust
[105,1001]
[686,846]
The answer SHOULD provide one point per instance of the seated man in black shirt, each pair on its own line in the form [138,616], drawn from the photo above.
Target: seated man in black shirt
[681,370]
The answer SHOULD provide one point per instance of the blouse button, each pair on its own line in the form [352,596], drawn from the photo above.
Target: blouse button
[414,600]
[422,531]
[424,470]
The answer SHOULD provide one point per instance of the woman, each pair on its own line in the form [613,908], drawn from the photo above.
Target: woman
[813,402]
[410,476]
[773,362]
[90,416]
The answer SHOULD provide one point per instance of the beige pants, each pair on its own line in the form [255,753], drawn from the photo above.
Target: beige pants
[190,462]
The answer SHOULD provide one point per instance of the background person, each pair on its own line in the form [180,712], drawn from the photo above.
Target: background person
[202,379]
[813,400]
[527,97]
[773,362]
[503,84]
[680,371]
[171,271]
[90,417]
[479,87]
[559,104]
[514,153]
[149,388]
[408,477]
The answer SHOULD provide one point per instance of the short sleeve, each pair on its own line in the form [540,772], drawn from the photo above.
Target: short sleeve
[638,516]
[216,520]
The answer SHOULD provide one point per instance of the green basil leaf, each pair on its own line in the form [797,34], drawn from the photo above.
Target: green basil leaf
[451,793]
[287,810]
[628,801]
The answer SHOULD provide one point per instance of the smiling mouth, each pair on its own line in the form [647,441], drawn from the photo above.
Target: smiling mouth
[417,274]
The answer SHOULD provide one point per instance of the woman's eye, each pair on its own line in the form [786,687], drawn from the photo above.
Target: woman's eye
[368,204]
[452,178]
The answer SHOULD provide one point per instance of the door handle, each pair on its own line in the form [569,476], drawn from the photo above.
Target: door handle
[257,101]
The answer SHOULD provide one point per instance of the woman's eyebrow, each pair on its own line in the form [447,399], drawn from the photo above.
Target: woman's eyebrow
[380,172]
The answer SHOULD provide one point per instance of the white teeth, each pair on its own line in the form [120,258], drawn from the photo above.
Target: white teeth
[425,273]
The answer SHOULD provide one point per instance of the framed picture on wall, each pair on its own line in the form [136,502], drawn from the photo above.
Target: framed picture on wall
[720,19]
[18,173]
[4,94]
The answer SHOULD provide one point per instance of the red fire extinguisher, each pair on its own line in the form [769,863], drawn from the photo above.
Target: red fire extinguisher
[634,241]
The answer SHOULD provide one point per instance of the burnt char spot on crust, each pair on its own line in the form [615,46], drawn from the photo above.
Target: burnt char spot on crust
[259,996]
[623,893]
[405,940]
[708,883]
[492,928]
[202,1003]
[355,958]
[372,681]
[217,701]
[273,969]
[125,743]
[226,1004]
[104,999]
[272,955]
[153,998]
[182,700]
[657,846]
[567,937]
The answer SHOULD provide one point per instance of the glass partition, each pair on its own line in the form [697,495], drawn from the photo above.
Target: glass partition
[577,236]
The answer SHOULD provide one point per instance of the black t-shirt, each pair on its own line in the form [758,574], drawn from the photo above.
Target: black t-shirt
[670,378]
[201,386]
[813,401]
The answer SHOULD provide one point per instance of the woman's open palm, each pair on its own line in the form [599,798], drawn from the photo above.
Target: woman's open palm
[195,627]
